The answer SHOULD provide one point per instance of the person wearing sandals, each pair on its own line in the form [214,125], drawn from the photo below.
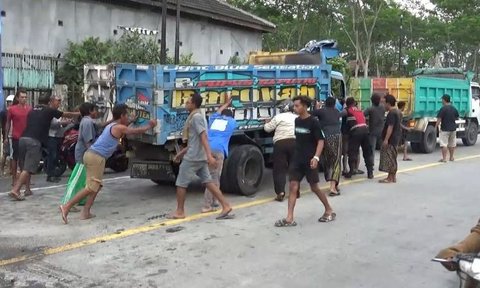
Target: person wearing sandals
[283,145]
[329,118]
[403,142]
[391,136]
[309,141]
[221,126]
[448,128]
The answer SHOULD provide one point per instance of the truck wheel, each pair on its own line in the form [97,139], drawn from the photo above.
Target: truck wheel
[429,141]
[119,164]
[244,170]
[471,134]
[416,147]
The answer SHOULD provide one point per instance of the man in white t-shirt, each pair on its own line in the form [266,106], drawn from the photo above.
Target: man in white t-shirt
[283,145]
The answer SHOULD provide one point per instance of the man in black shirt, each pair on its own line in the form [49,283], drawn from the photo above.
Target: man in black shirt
[308,148]
[391,136]
[448,128]
[33,138]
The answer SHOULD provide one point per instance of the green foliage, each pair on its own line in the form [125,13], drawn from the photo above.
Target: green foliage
[449,32]
[130,48]
[235,60]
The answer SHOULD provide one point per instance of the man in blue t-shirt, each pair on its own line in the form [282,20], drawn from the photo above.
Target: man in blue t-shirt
[221,126]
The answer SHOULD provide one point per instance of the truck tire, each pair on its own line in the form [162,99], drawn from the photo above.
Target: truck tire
[429,141]
[471,134]
[244,170]
[416,147]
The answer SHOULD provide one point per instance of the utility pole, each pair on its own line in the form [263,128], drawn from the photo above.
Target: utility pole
[177,34]
[400,40]
[163,46]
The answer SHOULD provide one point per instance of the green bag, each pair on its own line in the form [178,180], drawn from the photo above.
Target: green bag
[75,183]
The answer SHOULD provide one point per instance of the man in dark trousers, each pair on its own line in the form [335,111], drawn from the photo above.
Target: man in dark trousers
[309,142]
[358,137]
[448,128]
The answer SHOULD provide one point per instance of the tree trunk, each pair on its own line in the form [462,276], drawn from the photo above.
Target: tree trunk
[365,67]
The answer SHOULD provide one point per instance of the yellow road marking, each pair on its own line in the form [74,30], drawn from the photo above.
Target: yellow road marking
[159,225]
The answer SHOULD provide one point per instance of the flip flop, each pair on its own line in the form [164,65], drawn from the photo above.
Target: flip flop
[442,161]
[28,193]
[64,216]
[226,216]
[280,197]
[333,194]
[386,181]
[407,159]
[16,197]
[284,223]
[328,218]
[173,217]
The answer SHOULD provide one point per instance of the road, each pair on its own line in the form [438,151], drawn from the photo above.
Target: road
[384,235]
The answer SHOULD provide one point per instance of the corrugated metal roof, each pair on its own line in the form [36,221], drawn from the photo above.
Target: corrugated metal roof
[217,10]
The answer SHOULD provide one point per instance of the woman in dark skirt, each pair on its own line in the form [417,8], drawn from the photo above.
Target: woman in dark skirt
[329,118]
[391,136]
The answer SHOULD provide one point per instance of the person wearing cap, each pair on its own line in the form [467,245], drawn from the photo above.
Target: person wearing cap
[283,145]
[55,137]
[6,146]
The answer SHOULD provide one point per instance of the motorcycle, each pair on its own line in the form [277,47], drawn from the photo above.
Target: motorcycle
[466,265]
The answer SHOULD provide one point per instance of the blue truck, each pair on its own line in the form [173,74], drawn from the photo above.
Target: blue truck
[159,92]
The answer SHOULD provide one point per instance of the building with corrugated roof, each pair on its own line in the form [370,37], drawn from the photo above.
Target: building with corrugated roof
[212,30]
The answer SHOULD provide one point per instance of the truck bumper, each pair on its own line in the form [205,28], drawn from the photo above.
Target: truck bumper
[155,170]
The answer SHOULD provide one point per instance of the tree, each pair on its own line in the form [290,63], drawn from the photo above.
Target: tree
[130,48]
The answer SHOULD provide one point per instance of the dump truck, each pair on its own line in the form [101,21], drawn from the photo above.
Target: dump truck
[160,91]
[422,94]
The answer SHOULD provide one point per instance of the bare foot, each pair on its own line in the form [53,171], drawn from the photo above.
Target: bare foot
[64,214]
[207,209]
[86,217]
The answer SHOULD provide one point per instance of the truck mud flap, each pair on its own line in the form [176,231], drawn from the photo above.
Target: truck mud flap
[158,170]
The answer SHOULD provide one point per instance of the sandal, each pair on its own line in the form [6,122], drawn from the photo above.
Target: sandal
[407,159]
[328,217]
[280,197]
[284,223]
[442,161]
[333,193]
[386,181]
[16,197]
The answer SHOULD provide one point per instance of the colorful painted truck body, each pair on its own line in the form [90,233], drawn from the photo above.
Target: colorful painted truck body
[159,92]
[422,95]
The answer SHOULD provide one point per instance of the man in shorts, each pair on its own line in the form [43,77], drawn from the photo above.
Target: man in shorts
[308,149]
[96,156]
[30,144]
[17,120]
[448,128]
[197,157]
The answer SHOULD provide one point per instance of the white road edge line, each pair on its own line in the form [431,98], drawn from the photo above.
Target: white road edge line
[65,185]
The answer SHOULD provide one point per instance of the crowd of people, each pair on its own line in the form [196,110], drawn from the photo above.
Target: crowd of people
[305,136]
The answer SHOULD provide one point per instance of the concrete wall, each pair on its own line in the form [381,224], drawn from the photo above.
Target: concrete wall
[31,26]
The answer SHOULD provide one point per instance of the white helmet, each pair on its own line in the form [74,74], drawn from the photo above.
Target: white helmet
[10,98]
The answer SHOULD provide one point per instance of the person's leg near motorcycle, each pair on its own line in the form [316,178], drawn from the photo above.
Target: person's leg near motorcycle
[52,146]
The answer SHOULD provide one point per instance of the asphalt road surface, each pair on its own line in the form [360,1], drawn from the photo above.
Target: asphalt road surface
[384,235]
